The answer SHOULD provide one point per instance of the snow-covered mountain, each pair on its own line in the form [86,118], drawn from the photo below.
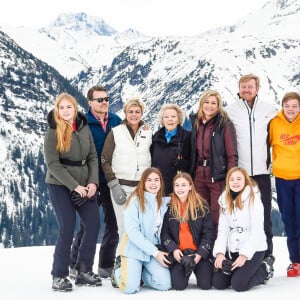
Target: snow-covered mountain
[171,69]
[74,42]
[180,69]
[27,91]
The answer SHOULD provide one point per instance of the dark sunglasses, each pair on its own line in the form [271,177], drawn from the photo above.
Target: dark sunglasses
[100,100]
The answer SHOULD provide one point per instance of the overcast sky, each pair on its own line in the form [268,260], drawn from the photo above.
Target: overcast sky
[153,17]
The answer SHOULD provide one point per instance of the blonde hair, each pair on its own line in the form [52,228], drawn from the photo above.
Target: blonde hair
[238,201]
[248,77]
[200,113]
[135,101]
[140,189]
[193,201]
[179,111]
[64,129]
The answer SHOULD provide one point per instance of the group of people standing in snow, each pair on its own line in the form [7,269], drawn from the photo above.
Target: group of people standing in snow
[175,202]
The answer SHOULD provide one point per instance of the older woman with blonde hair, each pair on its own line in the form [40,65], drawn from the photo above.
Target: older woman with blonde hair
[171,145]
[125,155]
[214,149]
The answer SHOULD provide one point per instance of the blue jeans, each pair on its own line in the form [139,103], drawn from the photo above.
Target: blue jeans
[288,199]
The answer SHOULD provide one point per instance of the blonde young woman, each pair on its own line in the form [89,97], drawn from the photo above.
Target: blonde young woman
[188,234]
[72,169]
[214,149]
[241,243]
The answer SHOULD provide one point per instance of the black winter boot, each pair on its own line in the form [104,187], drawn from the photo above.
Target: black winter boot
[88,278]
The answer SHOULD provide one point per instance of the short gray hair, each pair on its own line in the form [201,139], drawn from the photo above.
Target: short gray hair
[180,113]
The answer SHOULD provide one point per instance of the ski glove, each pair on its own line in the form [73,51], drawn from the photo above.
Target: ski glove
[226,267]
[77,199]
[188,264]
[118,194]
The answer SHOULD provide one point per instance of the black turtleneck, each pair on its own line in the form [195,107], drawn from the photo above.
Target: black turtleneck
[234,194]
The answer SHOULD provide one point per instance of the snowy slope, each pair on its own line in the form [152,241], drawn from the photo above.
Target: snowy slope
[25,274]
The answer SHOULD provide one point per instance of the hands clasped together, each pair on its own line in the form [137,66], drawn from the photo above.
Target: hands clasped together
[81,194]
[226,265]
[187,258]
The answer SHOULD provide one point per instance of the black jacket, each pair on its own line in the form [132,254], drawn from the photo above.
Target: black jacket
[202,230]
[171,157]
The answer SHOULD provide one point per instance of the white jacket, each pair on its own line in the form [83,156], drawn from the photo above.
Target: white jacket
[252,130]
[243,230]
[131,157]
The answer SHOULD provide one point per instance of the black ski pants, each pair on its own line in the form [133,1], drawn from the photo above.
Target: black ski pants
[65,212]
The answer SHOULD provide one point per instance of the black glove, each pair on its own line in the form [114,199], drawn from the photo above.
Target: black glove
[118,194]
[77,199]
[178,163]
[188,264]
[170,256]
[226,266]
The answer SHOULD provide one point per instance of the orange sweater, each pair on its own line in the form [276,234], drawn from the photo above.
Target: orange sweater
[285,143]
[185,236]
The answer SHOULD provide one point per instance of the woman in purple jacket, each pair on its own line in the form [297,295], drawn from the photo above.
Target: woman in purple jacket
[213,149]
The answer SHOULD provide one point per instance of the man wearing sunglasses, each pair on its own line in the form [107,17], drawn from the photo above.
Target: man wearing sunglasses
[100,121]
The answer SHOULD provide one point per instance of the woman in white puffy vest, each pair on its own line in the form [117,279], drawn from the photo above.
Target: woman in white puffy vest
[125,155]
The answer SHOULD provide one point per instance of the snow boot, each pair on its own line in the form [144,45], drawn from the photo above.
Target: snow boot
[268,261]
[105,272]
[88,278]
[61,284]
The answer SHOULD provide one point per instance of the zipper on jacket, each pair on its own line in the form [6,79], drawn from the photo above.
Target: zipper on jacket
[211,156]
[250,110]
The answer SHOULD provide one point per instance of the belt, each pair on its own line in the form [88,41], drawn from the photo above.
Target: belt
[238,229]
[131,183]
[72,162]
[203,162]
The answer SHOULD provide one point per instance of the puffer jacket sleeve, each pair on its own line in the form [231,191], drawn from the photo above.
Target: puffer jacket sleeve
[231,145]
[106,157]
[92,161]
[133,228]
[166,236]
[256,216]
[208,236]
[220,245]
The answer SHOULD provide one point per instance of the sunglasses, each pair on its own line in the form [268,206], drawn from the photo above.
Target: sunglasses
[100,100]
